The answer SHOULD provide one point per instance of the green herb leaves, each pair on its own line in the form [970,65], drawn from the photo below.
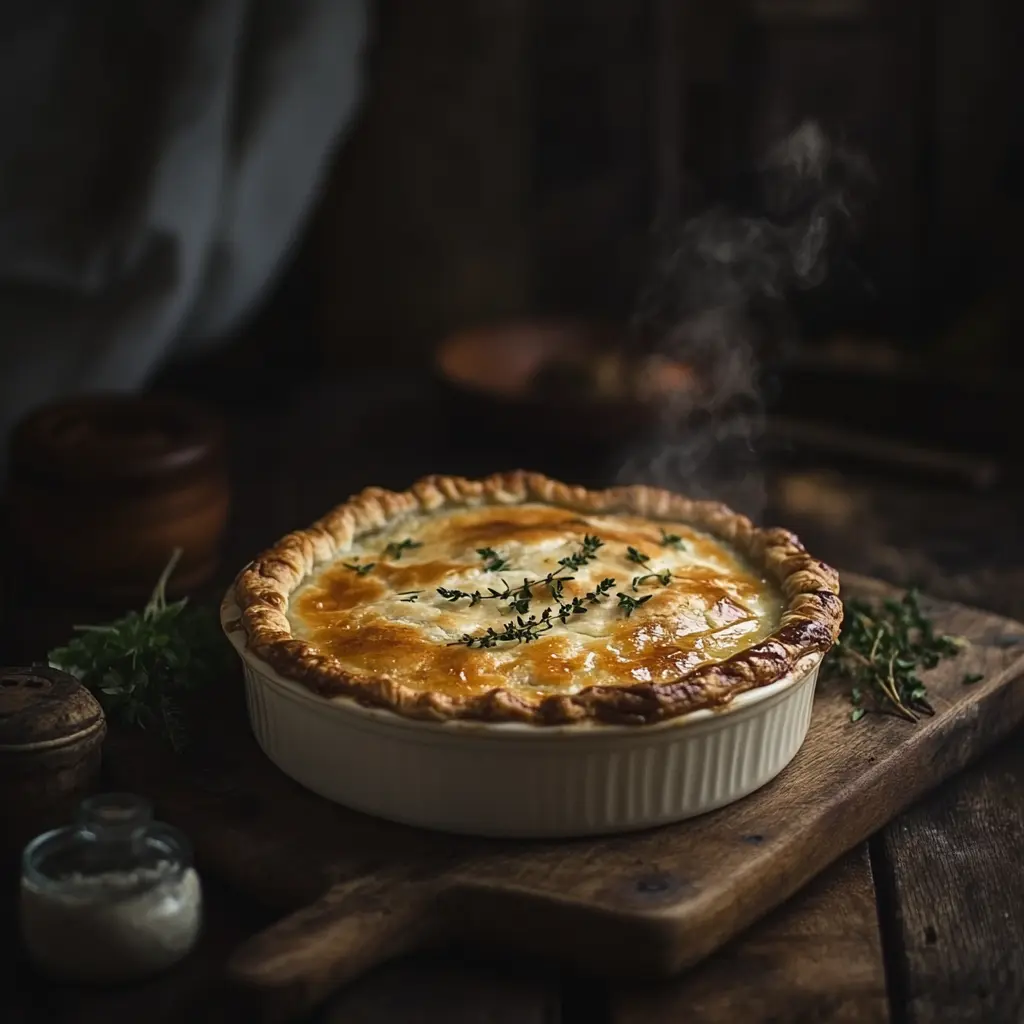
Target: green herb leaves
[883,648]
[520,596]
[601,590]
[519,631]
[396,548]
[393,550]
[587,553]
[630,604]
[672,540]
[525,628]
[493,562]
[140,665]
[359,570]
[664,577]
[517,598]
[457,595]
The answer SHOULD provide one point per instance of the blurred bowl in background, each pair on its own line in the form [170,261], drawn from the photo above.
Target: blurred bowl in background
[555,376]
[103,488]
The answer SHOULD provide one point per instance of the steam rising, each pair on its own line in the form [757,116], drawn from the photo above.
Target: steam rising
[717,303]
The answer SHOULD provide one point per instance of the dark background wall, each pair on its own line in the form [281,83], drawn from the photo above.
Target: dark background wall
[512,156]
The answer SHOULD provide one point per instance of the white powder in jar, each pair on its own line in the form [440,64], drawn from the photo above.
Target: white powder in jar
[114,926]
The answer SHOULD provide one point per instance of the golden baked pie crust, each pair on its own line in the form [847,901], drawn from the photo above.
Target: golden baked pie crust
[808,627]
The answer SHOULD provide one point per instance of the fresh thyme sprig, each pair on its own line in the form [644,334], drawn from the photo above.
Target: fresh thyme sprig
[519,597]
[359,570]
[639,557]
[142,664]
[453,595]
[587,553]
[672,540]
[574,607]
[525,630]
[883,648]
[519,630]
[664,577]
[601,590]
[493,562]
[396,548]
[630,604]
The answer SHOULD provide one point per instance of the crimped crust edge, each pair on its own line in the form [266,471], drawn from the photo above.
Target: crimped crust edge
[809,625]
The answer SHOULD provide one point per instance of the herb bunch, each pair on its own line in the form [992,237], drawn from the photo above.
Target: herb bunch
[882,649]
[141,665]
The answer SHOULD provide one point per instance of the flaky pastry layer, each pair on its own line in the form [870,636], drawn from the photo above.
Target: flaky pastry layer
[719,626]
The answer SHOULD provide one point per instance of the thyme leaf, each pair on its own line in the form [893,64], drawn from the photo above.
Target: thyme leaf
[637,556]
[601,590]
[359,570]
[587,553]
[630,604]
[396,548]
[664,577]
[493,562]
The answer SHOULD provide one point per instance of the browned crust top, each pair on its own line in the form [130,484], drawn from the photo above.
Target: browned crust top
[809,624]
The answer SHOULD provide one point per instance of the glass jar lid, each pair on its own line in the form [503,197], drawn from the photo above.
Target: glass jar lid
[113,833]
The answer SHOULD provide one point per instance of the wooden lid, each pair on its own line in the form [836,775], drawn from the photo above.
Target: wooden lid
[43,706]
[115,439]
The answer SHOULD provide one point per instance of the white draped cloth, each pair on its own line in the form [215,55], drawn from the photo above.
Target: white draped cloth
[158,159]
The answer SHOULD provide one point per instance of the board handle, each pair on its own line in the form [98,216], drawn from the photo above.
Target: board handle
[291,967]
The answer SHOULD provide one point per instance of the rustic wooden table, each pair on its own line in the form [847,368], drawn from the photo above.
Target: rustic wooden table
[923,923]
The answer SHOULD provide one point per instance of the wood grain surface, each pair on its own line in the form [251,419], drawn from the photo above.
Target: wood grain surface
[818,958]
[640,905]
[440,990]
[950,880]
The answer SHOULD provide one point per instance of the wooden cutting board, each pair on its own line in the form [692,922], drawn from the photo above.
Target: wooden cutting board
[360,891]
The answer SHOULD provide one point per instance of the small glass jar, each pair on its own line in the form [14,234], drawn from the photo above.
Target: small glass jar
[112,897]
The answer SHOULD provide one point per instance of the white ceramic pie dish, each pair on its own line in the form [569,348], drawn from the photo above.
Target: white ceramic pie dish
[519,780]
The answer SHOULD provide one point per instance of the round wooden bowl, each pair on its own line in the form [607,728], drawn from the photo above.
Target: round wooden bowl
[104,488]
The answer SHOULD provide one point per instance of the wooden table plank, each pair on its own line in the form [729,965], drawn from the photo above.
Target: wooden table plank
[444,990]
[818,957]
[949,869]
[953,889]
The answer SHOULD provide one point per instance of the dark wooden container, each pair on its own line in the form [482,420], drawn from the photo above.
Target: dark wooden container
[103,489]
[51,735]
